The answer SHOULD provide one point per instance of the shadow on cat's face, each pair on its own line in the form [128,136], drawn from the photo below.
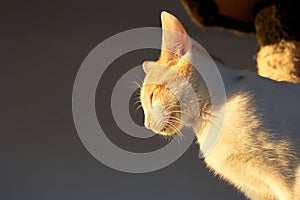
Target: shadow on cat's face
[161,109]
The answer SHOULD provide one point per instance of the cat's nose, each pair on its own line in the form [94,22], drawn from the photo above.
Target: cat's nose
[147,125]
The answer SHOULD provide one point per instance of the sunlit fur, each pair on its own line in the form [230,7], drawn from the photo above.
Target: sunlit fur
[249,157]
[246,154]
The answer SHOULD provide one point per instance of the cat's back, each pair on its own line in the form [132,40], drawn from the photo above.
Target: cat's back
[276,104]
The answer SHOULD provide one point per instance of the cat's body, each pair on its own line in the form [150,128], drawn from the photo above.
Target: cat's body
[255,153]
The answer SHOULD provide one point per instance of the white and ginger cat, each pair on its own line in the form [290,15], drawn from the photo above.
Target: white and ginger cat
[255,152]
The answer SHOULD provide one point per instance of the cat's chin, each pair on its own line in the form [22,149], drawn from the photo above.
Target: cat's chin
[165,132]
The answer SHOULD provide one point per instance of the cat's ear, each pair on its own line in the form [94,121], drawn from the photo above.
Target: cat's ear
[174,38]
[147,65]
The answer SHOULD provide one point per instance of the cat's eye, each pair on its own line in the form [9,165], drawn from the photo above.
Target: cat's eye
[150,98]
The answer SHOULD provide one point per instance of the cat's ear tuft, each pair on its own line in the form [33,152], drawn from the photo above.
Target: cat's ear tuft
[147,65]
[175,37]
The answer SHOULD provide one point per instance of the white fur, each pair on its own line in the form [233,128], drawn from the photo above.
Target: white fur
[258,149]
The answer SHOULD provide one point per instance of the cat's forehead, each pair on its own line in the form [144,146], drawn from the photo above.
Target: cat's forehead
[148,88]
[156,74]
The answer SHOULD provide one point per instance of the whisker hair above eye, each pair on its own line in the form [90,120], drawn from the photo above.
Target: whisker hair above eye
[140,79]
[139,82]
[137,93]
[136,85]
[138,107]
[137,101]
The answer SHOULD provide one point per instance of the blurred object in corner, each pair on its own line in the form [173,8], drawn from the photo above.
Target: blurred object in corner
[274,22]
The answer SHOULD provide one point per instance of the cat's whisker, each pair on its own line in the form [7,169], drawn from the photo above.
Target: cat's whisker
[175,121]
[138,102]
[136,85]
[158,122]
[174,128]
[174,107]
[138,77]
[180,112]
[168,138]
[138,107]
[178,131]
[163,123]
[175,138]
[139,82]
[175,118]
[137,97]
[137,94]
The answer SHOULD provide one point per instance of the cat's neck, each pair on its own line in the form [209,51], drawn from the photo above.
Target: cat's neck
[207,65]
[200,116]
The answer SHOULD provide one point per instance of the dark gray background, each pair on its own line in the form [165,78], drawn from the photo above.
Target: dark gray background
[42,45]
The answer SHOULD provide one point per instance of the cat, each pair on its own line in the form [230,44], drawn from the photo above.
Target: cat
[257,154]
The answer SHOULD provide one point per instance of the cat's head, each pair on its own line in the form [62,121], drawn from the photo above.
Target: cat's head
[164,87]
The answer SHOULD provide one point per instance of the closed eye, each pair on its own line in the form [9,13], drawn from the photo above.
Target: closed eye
[150,99]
